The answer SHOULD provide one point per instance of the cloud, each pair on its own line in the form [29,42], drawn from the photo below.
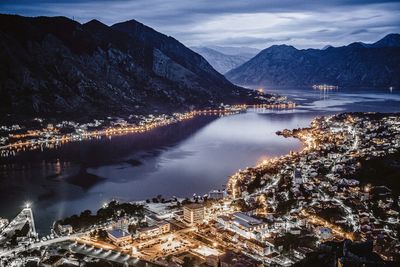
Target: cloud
[359,31]
[252,41]
[256,23]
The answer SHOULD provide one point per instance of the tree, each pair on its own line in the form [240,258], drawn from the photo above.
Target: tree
[93,233]
[86,213]
[102,234]
[241,204]
[168,258]
[187,262]
[132,228]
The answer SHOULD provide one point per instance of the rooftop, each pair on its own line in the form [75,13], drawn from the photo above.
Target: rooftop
[246,219]
[194,206]
[118,233]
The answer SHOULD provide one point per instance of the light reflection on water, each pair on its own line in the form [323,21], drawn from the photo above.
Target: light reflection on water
[179,160]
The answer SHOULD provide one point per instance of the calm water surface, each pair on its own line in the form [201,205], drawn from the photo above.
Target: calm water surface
[178,160]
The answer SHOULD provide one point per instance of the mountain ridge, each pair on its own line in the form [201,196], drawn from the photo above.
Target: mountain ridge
[54,66]
[220,61]
[354,65]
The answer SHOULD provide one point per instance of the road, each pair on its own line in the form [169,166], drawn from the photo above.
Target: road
[6,253]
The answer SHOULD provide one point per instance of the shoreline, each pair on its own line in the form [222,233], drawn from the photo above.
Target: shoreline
[300,192]
[51,137]
[323,177]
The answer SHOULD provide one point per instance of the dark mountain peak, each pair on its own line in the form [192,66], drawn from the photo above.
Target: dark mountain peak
[282,47]
[326,47]
[95,23]
[15,22]
[96,27]
[358,45]
[38,29]
[281,50]
[136,29]
[390,40]
[131,22]
[173,49]
[55,65]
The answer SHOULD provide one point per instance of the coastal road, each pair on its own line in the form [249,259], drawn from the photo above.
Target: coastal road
[6,253]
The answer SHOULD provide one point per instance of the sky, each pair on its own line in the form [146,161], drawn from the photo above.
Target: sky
[250,23]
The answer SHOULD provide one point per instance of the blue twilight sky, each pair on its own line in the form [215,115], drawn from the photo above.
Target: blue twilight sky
[254,23]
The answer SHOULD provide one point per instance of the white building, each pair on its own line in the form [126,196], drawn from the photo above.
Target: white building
[193,213]
[216,194]
[161,227]
[65,229]
[243,225]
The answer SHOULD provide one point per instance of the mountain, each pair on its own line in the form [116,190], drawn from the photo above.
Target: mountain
[390,40]
[236,50]
[222,62]
[55,66]
[355,65]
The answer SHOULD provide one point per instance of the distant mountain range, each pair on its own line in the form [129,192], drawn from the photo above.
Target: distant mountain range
[220,61]
[235,50]
[223,62]
[59,67]
[355,65]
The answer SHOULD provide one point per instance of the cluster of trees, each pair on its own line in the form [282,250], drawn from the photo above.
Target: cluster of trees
[113,210]
[100,234]
[161,199]
[188,262]
[289,241]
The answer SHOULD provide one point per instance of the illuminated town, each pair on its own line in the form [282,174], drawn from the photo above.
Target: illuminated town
[16,138]
[273,214]
[325,87]
[230,133]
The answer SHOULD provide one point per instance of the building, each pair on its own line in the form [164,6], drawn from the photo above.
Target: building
[164,227]
[243,225]
[246,226]
[161,227]
[260,248]
[52,261]
[119,237]
[3,223]
[216,194]
[297,177]
[122,223]
[65,229]
[148,232]
[193,213]
[232,259]
[324,232]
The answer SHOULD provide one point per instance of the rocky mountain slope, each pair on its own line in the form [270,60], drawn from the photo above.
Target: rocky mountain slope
[220,61]
[55,66]
[355,65]
[236,50]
